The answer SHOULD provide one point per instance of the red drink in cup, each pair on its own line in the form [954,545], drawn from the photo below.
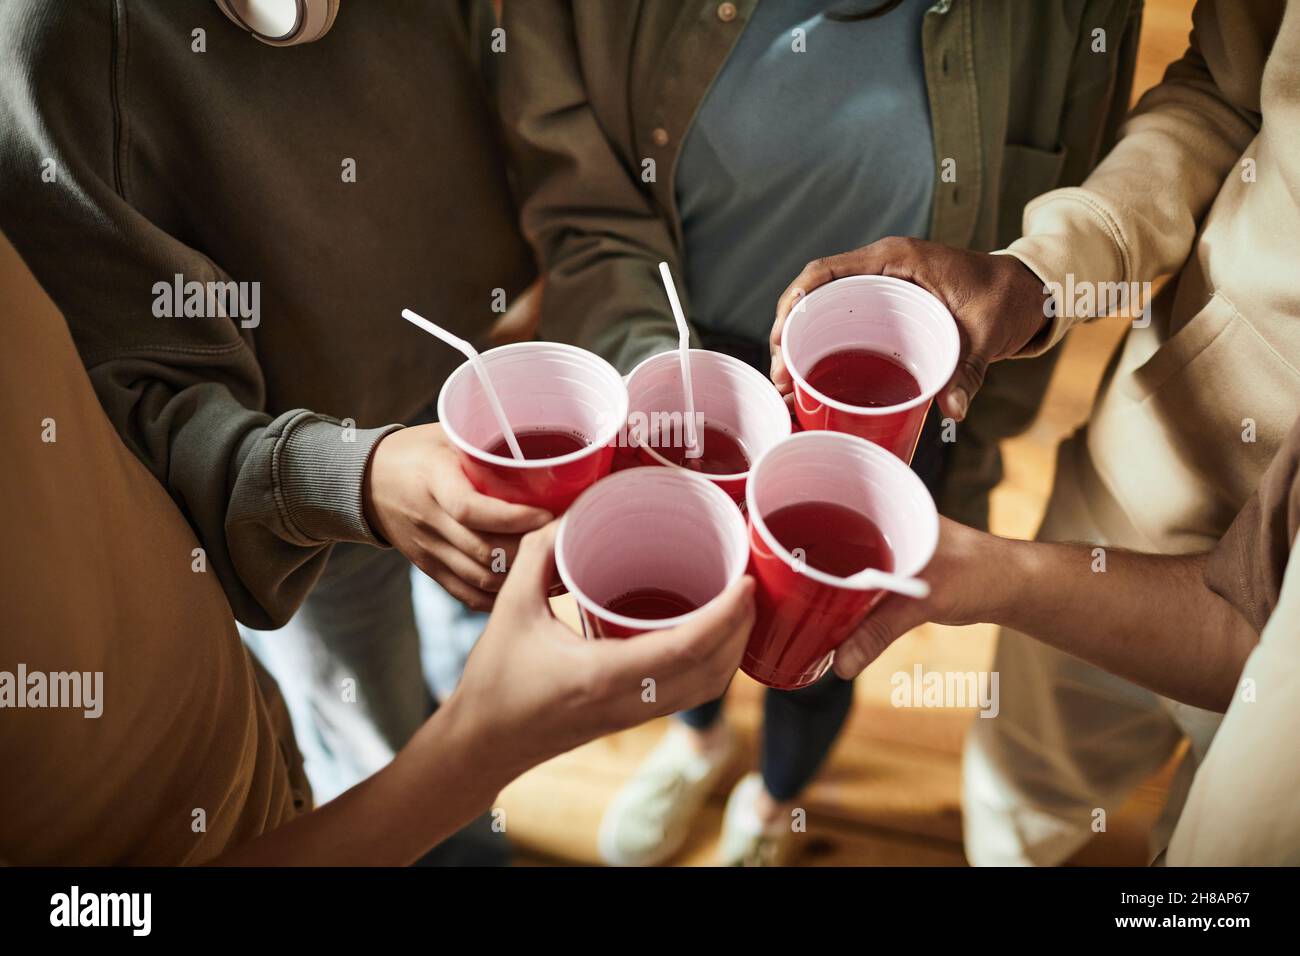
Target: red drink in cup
[651,604]
[743,416]
[644,549]
[864,378]
[566,407]
[830,537]
[867,355]
[538,443]
[720,453]
[822,507]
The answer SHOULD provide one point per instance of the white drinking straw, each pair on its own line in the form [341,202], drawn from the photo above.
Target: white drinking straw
[471,353]
[684,349]
[873,579]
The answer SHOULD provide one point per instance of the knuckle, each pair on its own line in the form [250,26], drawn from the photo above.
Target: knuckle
[458,510]
[871,633]
[425,560]
[873,639]
[975,365]
[897,246]
[733,618]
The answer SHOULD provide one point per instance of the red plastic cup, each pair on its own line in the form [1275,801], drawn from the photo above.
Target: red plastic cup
[541,385]
[728,394]
[804,613]
[662,528]
[894,318]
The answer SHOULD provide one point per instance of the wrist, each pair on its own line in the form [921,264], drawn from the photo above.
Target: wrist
[466,729]
[1015,580]
[369,510]
[432,788]
[1033,300]
[320,473]
[1033,292]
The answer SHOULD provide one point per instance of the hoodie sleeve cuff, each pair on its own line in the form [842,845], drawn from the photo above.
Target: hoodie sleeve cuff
[1070,243]
[320,470]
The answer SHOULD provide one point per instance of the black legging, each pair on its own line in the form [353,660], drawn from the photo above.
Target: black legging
[800,726]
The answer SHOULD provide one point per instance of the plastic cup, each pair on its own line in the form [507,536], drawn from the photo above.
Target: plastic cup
[804,613]
[541,385]
[728,393]
[894,318]
[662,528]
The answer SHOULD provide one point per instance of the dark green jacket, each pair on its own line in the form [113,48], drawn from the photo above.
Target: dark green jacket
[591,89]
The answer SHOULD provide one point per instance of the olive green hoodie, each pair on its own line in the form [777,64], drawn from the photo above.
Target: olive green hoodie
[334,183]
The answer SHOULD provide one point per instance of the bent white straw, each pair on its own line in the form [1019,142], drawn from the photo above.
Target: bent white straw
[684,350]
[471,353]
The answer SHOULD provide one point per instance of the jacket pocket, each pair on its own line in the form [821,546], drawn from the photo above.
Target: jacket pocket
[1027,173]
[1197,338]
[1201,417]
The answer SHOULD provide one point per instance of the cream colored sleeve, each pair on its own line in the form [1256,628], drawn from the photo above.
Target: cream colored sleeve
[1135,218]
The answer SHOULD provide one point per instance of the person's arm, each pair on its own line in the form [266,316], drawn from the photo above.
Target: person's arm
[1133,220]
[1136,216]
[267,496]
[597,231]
[1148,618]
[532,689]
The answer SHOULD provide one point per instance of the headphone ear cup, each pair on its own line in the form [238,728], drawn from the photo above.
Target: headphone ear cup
[329,19]
[314,19]
[319,19]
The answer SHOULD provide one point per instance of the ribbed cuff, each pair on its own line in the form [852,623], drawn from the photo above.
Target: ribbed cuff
[1069,242]
[320,469]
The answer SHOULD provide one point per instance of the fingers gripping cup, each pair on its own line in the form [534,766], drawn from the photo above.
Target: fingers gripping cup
[742,416]
[566,407]
[867,355]
[645,549]
[822,507]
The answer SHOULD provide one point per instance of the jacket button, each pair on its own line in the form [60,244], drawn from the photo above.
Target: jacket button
[726,12]
[659,136]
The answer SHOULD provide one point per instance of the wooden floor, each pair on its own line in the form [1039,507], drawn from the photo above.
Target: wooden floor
[889,795]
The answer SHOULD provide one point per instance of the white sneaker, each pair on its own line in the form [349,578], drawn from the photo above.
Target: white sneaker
[745,840]
[649,819]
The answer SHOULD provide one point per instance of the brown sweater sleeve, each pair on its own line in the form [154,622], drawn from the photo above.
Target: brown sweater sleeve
[1246,568]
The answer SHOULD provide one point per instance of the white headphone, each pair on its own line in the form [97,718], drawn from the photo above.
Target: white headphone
[282,22]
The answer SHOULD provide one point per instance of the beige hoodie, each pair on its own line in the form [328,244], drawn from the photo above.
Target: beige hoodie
[1205,180]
